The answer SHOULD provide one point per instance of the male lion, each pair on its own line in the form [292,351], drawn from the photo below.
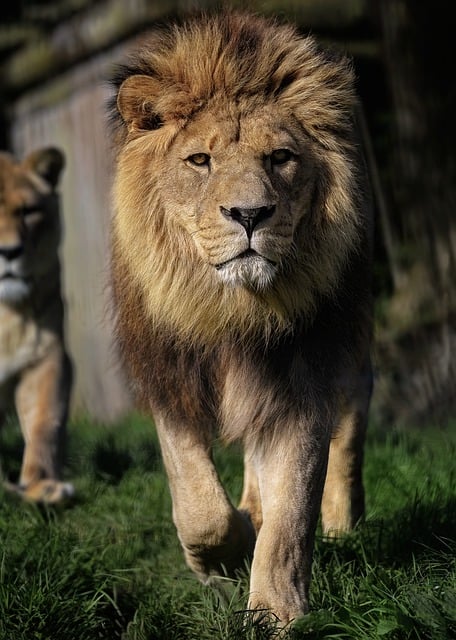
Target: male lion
[241,265]
[35,369]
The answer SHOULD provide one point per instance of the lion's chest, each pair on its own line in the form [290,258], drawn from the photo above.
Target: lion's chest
[231,389]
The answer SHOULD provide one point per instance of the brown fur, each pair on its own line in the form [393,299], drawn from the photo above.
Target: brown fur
[262,333]
[35,372]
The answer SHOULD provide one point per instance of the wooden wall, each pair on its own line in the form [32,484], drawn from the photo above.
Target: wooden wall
[70,112]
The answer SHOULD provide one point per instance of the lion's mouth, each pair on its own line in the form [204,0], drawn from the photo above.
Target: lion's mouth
[248,254]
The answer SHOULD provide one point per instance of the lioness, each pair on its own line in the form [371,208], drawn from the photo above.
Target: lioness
[241,268]
[35,369]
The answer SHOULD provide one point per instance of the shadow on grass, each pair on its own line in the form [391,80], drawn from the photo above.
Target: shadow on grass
[390,578]
[414,533]
[111,460]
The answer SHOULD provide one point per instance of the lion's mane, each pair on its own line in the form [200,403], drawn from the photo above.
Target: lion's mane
[161,286]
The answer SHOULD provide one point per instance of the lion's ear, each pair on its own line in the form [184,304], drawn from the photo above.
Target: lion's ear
[47,163]
[135,101]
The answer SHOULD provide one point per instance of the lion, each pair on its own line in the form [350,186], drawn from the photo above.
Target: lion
[35,369]
[241,259]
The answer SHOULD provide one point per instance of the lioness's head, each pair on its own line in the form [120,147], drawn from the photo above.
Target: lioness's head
[29,221]
[236,189]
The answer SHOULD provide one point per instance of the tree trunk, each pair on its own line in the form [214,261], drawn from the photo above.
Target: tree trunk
[417,343]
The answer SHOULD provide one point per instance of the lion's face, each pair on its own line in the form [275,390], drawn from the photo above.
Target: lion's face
[236,190]
[29,223]
[240,187]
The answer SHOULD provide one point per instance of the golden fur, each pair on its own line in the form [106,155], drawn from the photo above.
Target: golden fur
[241,284]
[35,373]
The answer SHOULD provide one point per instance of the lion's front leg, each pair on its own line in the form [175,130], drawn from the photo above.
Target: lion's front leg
[216,537]
[291,475]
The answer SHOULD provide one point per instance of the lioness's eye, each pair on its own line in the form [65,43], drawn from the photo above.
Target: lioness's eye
[199,159]
[280,156]
[28,210]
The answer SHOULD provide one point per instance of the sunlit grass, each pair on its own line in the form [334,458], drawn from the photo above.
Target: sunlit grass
[109,566]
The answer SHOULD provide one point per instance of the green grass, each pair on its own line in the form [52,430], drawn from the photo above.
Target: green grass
[109,566]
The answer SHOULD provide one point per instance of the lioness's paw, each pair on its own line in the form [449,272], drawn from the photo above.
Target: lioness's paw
[44,491]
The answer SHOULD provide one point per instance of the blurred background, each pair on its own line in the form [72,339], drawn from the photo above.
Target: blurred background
[56,57]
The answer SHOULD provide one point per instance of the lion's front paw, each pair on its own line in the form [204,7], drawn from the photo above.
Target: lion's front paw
[44,491]
[276,597]
[277,612]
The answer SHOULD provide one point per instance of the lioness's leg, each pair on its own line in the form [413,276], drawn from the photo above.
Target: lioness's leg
[343,496]
[215,536]
[42,405]
[291,475]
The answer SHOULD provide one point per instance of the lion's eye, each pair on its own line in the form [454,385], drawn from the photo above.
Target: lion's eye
[280,156]
[199,159]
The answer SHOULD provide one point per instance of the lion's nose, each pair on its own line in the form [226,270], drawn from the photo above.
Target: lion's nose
[248,218]
[11,253]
